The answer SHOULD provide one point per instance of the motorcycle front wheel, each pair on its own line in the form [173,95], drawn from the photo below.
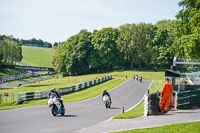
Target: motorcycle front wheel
[54,110]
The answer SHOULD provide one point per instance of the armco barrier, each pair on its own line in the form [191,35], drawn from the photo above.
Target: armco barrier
[65,90]
[18,76]
[188,99]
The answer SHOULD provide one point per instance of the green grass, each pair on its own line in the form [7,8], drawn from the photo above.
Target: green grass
[92,91]
[136,112]
[37,56]
[189,127]
[78,96]
[139,110]
[157,85]
[145,75]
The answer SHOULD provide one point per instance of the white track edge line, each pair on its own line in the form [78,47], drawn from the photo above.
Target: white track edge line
[118,114]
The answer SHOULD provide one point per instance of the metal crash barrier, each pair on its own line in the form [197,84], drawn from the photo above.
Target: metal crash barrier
[21,97]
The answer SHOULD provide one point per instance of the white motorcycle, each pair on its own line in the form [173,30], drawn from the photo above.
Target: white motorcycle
[106,101]
[55,106]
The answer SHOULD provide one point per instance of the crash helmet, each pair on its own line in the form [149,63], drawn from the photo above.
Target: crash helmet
[53,89]
[105,90]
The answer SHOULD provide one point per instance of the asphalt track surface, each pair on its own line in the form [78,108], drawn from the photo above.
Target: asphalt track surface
[16,83]
[79,115]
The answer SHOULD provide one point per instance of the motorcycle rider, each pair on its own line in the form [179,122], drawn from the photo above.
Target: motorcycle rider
[140,79]
[53,92]
[106,93]
[136,77]
[133,76]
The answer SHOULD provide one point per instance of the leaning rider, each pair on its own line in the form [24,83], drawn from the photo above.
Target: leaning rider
[53,92]
[106,93]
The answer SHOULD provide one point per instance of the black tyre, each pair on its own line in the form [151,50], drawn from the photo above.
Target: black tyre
[63,112]
[153,112]
[153,107]
[152,96]
[151,102]
[107,104]
[54,110]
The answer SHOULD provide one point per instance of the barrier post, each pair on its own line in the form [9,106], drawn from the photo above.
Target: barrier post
[176,99]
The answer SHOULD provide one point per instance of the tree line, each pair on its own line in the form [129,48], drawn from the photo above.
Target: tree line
[140,46]
[132,46]
[10,50]
[36,43]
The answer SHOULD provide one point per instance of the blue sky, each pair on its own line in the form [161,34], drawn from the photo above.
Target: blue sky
[57,20]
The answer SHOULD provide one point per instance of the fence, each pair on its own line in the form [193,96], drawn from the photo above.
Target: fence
[65,90]
[188,99]
[18,76]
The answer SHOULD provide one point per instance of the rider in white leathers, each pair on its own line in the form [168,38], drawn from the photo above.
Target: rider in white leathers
[106,93]
[55,93]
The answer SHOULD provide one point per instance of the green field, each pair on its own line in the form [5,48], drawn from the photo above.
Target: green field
[190,127]
[34,56]
[37,56]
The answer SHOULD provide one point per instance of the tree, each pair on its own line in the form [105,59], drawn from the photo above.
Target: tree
[133,42]
[105,49]
[144,35]
[126,43]
[187,42]
[55,44]
[59,57]
[10,50]
[72,56]
[35,42]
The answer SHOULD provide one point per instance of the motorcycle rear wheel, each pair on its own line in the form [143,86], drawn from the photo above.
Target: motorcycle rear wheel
[63,112]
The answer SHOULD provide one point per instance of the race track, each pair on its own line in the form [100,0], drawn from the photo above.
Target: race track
[79,115]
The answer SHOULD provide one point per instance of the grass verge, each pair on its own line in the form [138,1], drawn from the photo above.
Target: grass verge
[189,127]
[78,96]
[139,110]
[92,91]
[136,112]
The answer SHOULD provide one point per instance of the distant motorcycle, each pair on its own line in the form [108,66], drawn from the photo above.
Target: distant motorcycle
[55,106]
[136,77]
[106,101]
[140,79]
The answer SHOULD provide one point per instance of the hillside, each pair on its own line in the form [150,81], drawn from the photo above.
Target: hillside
[37,56]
